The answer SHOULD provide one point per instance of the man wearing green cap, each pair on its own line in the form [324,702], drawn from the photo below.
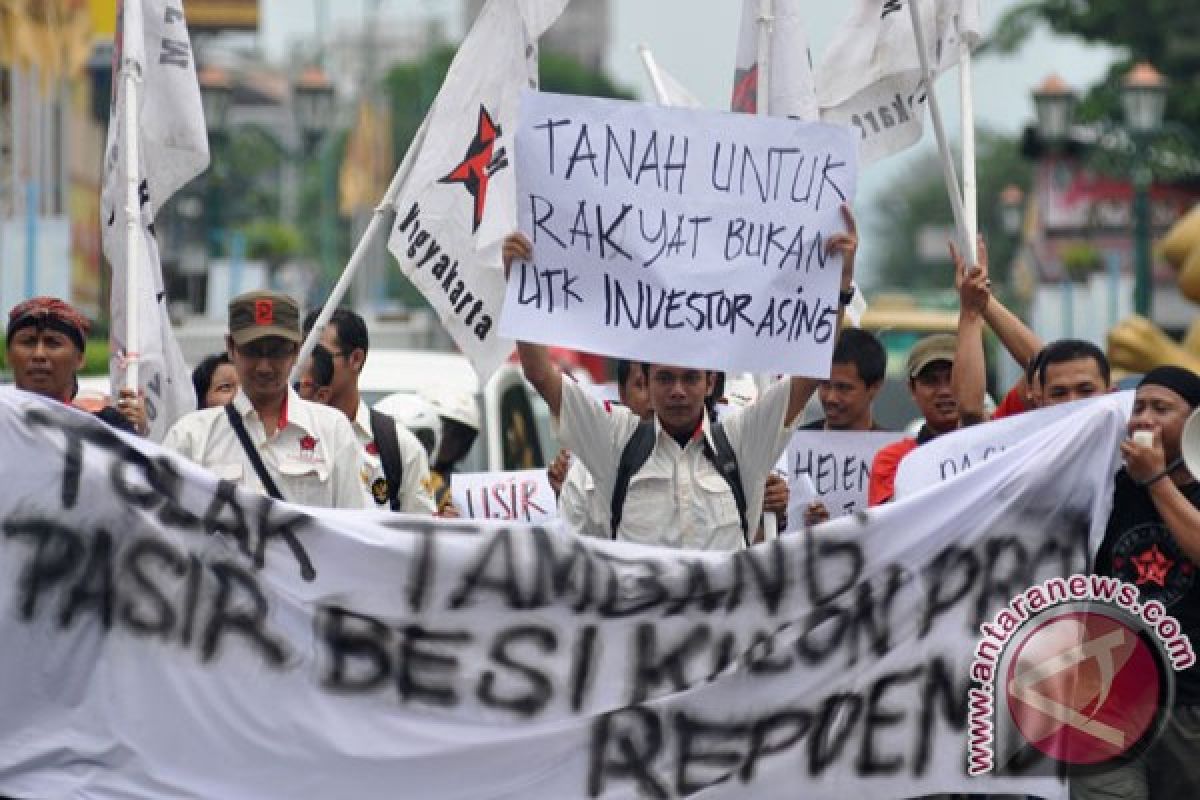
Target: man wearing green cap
[931,382]
[286,447]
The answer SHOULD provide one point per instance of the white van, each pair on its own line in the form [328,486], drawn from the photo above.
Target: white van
[516,430]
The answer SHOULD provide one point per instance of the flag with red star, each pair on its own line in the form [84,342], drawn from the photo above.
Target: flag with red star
[458,199]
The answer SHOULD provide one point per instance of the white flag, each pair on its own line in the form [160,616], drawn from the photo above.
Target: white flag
[790,78]
[668,90]
[870,76]
[173,149]
[458,199]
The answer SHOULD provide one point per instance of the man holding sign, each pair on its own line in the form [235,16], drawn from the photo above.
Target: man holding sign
[686,491]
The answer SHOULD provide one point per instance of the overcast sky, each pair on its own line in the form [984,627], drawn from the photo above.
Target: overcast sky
[695,41]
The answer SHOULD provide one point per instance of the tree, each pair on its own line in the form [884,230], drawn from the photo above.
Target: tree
[923,203]
[1164,32]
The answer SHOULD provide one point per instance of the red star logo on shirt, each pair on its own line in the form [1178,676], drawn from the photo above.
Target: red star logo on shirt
[372,449]
[1152,567]
[308,443]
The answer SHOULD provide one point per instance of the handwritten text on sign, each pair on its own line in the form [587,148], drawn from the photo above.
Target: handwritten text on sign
[839,465]
[676,236]
[520,496]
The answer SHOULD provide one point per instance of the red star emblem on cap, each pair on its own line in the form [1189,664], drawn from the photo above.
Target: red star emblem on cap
[308,443]
[1152,567]
[372,449]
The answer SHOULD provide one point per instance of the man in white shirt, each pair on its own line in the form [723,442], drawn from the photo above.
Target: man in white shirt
[579,506]
[346,339]
[677,498]
[309,452]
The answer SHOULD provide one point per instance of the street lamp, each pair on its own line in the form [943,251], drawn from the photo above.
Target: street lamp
[1054,104]
[1144,98]
[216,95]
[312,101]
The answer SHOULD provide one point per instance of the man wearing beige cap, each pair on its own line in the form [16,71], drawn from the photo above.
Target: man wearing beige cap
[268,439]
[930,380]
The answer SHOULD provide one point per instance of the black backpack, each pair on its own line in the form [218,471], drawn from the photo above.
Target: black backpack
[637,452]
[383,430]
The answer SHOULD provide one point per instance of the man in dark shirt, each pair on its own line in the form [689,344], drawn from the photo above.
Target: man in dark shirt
[1153,542]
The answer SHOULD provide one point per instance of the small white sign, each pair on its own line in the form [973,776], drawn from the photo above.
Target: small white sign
[521,496]
[833,467]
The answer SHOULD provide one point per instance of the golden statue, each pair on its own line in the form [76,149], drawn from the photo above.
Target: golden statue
[1138,345]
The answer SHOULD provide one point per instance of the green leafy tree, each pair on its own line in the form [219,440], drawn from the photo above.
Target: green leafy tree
[902,215]
[272,241]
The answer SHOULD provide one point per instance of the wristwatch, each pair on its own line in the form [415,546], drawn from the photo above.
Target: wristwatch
[845,296]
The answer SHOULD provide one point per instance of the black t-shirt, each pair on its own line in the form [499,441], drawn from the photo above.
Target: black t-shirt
[1139,549]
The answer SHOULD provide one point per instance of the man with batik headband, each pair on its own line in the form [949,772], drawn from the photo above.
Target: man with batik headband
[267,438]
[44,347]
[1153,542]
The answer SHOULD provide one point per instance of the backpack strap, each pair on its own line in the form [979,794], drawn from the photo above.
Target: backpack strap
[720,454]
[264,477]
[636,453]
[383,431]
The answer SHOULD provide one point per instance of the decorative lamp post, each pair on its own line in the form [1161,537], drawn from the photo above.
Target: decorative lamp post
[313,100]
[216,95]
[1144,98]
[1054,103]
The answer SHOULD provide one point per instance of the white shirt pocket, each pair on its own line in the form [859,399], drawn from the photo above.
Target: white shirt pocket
[649,509]
[718,524]
[304,482]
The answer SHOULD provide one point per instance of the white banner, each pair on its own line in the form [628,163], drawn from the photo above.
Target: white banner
[677,236]
[173,150]
[870,76]
[836,464]
[954,453]
[457,201]
[518,496]
[169,635]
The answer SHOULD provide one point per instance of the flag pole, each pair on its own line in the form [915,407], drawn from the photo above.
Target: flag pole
[660,91]
[763,100]
[131,79]
[970,188]
[762,105]
[381,222]
[948,171]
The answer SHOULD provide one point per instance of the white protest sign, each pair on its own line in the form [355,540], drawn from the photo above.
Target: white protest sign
[518,496]
[678,236]
[158,623]
[954,453]
[836,464]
